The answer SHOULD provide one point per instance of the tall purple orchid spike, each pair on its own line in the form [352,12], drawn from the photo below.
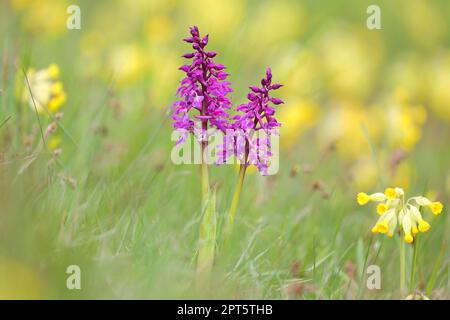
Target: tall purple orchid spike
[258,114]
[204,89]
[202,104]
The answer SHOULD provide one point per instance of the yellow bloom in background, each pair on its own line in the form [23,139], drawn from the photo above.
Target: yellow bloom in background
[424,22]
[350,59]
[402,120]
[220,17]
[343,125]
[54,143]
[296,117]
[363,173]
[401,176]
[48,92]
[19,281]
[395,210]
[163,65]
[159,29]
[439,92]
[43,17]
[127,64]
[404,71]
[300,71]
[286,21]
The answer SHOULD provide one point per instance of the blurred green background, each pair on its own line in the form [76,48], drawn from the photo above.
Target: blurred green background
[365,109]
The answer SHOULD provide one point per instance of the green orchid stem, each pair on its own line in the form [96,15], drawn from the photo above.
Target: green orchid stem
[208,225]
[235,200]
[402,268]
[414,262]
[205,183]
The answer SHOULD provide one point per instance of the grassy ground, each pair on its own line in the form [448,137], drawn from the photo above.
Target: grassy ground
[114,203]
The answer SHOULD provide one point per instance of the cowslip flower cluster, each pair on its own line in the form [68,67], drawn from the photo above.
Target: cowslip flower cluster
[44,92]
[395,211]
[204,89]
[247,144]
[48,91]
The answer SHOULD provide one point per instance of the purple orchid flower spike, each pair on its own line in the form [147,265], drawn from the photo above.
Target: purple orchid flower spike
[248,145]
[204,89]
[202,104]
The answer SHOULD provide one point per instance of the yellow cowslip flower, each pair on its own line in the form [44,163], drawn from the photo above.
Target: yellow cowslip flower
[381,208]
[48,91]
[363,198]
[56,102]
[395,210]
[435,207]
[393,193]
[53,71]
[385,222]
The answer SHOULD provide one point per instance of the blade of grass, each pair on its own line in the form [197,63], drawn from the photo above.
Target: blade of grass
[207,238]
[39,120]
[373,153]
[363,271]
[437,265]
[35,107]
[413,265]
[5,121]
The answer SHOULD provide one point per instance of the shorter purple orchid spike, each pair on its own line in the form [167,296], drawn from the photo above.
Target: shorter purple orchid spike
[256,115]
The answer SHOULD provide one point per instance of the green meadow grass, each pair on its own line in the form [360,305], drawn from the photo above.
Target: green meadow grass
[118,207]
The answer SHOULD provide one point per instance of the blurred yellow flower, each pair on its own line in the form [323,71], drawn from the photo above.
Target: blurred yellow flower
[127,63]
[220,17]
[54,143]
[296,118]
[48,92]
[424,22]
[439,91]
[350,60]
[364,173]
[159,29]
[18,281]
[276,21]
[402,121]
[405,71]
[300,71]
[163,66]
[43,17]
[343,125]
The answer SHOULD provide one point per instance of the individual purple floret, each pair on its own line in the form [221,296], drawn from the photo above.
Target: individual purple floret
[204,89]
[253,127]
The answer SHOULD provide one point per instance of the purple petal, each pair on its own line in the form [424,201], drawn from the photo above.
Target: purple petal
[276,101]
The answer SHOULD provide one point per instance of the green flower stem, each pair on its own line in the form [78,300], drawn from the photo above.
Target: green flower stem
[414,262]
[402,267]
[208,225]
[235,200]
[205,183]
[207,238]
